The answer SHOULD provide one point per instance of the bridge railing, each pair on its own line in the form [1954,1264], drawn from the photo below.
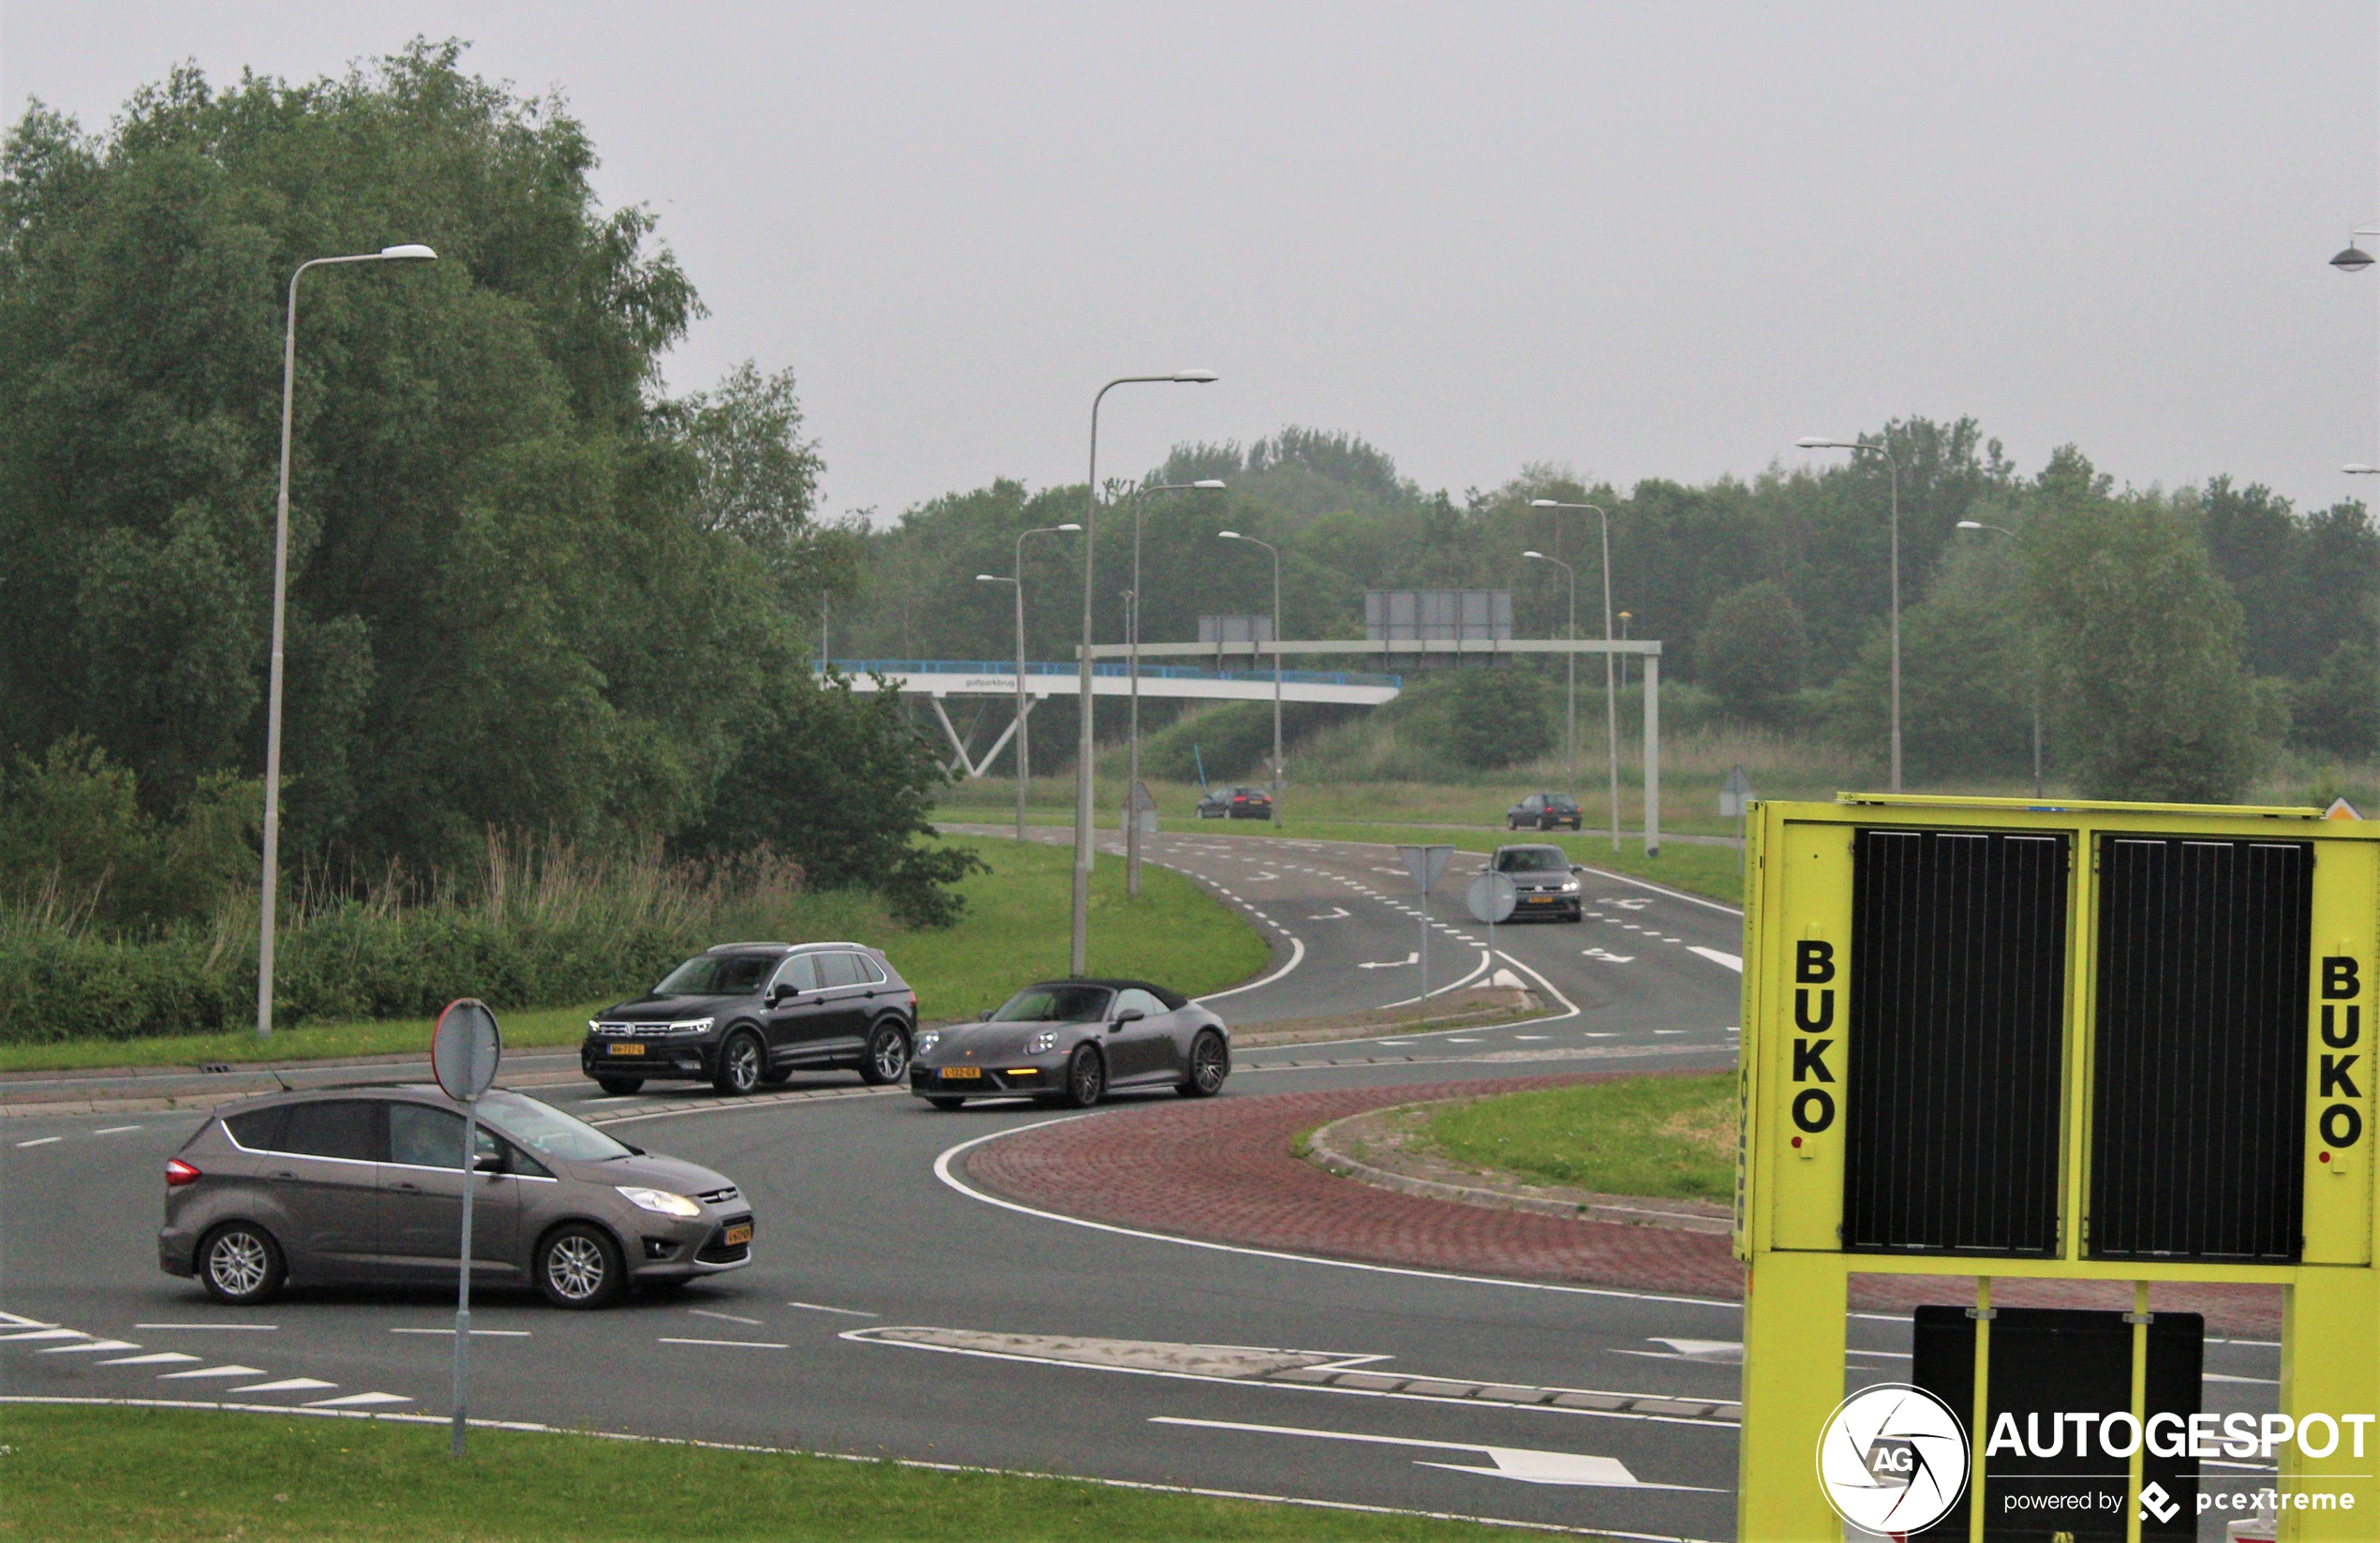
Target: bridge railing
[1110,670]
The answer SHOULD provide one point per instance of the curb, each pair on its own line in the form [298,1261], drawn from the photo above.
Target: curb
[1627,1210]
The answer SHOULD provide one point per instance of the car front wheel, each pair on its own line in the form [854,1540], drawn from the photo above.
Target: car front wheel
[1086,1078]
[1210,1063]
[579,1266]
[887,1059]
[741,1063]
[241,1265]
[616,1086]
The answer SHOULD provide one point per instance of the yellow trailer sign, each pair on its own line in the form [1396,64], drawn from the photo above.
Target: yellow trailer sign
[1999,1038]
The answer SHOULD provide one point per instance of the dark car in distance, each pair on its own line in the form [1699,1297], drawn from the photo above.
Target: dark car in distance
[1238,803]
[1069,1042]
[744,1015]
[364,1183]
[1544,879]
[1543,811]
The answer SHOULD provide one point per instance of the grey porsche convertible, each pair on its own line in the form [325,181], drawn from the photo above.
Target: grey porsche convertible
[1070,1042]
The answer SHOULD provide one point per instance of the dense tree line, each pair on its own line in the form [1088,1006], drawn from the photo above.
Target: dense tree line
[2167,639]
[528,589]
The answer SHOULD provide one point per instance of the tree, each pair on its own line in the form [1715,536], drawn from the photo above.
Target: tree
[1752,650]
[1969,677]
[2338,710]
[2143,645]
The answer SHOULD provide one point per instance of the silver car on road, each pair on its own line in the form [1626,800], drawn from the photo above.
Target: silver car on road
[365,1183]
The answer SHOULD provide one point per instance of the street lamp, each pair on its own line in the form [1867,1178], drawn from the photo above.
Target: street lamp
[1024,705]
[1132,668]
[2002,529]
[1813,442]
[1624,618]
[1611,699]
[1079,954]
[410,252]
[1235,536]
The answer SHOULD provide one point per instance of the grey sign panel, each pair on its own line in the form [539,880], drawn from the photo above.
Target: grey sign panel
[1426,864]
[1471,615]
[1492,896]
[1735,798]
[1213,629]
[465,1049]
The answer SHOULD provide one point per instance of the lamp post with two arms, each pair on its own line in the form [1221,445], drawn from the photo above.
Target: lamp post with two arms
[1132,636]
[1611,699]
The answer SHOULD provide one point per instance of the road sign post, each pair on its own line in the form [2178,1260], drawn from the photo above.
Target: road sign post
[1426,865]
[1735,802]
[465,1050]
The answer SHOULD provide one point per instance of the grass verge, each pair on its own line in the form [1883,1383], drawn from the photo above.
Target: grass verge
[77,1473]
[1015,929]
[1669,1136]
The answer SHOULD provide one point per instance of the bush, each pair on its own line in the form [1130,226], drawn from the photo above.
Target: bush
[1754,649]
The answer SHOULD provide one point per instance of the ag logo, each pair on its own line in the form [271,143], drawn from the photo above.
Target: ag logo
[1892,1459]
[2154,1502]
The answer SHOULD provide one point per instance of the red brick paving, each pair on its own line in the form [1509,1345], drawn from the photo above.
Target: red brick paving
[1221,1170]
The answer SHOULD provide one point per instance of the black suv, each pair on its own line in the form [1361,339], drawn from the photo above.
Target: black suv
[1543,811]
[744,1015]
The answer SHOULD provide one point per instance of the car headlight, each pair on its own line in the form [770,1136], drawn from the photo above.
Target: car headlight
[927,1040]
[659,1200]
[1042,1042]
[1570,886]
[691,1027]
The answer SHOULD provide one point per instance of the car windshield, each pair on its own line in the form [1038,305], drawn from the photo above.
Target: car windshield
[1055,1005]
[717,975]
[547,1131]
[1532,860]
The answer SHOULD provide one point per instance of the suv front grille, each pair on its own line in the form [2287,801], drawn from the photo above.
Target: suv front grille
[634,1031]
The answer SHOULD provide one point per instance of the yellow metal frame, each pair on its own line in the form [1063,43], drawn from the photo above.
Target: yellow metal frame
[1789,1198]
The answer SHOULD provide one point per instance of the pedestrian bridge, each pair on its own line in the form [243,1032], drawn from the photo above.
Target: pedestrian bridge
[981,677]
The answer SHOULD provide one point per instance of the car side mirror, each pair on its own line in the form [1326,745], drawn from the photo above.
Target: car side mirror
[1578,868]
[488,1162]
[633,1152]
[1130,1015]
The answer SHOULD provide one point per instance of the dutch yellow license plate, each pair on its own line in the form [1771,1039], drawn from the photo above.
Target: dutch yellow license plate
[628,1049]
[736,1235]
[960,1074]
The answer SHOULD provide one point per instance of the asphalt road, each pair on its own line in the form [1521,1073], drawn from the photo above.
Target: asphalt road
[861,1237]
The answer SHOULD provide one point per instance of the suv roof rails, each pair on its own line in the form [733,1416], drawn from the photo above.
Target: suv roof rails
[725,949]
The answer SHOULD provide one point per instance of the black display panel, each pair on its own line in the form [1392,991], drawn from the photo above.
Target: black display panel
[1956,1030]
[2198,1113]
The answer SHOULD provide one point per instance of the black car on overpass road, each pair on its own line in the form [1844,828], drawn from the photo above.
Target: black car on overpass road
[747,1015]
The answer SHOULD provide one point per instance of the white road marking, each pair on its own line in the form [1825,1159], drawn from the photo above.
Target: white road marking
[1462,1042]
[1414,957]
[115,1130]
[39,1141]
[219,1372]
[48,1334]
[2219,1376]
[160,1358]
[1297,957]
[83,1349]
[731,1344]
[357,1400]
[1733,961]
[727,1317]
[1526,1464]
[1335,913]
[821,1307]
[287,1385]
[1531,1036]
[1607,958]
[476,1333]
[18,1320]
[239,1328]
[1716,1348]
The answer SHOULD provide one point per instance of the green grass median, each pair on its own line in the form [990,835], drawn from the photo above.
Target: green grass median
[73,1473]
[1015,929]
[1669,1136]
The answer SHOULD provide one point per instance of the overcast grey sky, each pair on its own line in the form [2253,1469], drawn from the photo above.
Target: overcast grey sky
[1643,240]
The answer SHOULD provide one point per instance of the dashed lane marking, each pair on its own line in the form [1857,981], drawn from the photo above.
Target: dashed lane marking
[159,1357]
[236,1329]
[287,1385]
[476,1333]
[39,1141]
[217,1371]
[821,1307]
[731,1344]
[723,1317]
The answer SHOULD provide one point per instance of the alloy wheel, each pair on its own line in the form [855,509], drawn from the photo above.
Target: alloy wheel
[238,1263]
[575,1265]
[890,1053]
[1206,1065]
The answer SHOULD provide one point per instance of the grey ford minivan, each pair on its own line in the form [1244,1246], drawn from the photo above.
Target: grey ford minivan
[365,1183]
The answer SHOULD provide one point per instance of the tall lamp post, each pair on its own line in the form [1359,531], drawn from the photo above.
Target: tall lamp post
[1813,442]
[1132,668]
[1079,954]
[1626,619]
[410,252]
[2002,529]
[1235,536]
[1611,699]
[1024,704]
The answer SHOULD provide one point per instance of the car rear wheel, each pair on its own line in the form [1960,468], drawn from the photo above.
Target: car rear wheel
[741,1063]
[887,1059]
[241,1265]
[579,1265]
[618,1084]
[1086,1078]
[946,1104]
[1210,1063]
